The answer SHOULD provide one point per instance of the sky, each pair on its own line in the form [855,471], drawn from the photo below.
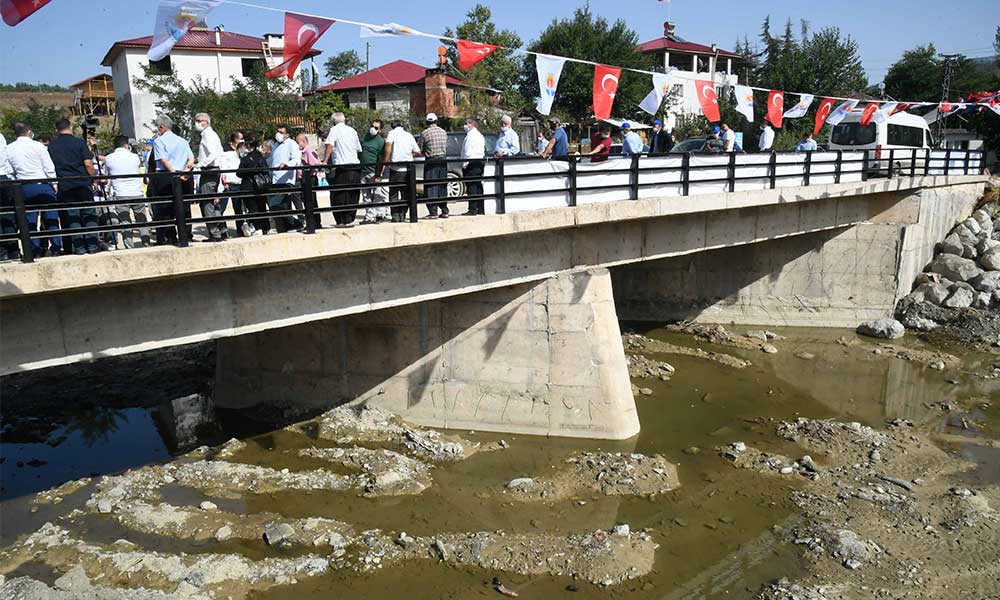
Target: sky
[66,40]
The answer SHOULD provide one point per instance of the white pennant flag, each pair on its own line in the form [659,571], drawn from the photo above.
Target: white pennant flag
[661,88]
[549,69]
[744,101]
[174,18]
[799,110]
[882,114]
[387,30]
[842,111]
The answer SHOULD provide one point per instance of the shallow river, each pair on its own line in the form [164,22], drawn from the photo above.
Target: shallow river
[715,531]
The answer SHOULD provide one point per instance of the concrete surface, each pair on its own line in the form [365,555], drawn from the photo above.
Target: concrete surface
[541,358]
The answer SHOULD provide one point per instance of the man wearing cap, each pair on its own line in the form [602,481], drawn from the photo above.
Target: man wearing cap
[559,143]
[631,142]
[434,147]
[661,141]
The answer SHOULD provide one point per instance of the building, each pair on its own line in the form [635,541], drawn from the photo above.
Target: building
[402,87]
[692,61]
[94,96]
[213,57]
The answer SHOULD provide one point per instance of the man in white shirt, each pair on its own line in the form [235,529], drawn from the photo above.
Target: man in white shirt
[286,154]
[128,191]
[28,160]
[209,152]
[8,250]
[728,138]
[342,148]
[474,151]
[400,147]
[766,138]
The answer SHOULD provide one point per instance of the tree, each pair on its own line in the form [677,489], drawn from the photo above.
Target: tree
[501,70]
[591,38]
[343,65]
[916,76]
[42,119]
[985,122]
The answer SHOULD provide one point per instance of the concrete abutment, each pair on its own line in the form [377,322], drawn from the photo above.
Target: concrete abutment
[543,358]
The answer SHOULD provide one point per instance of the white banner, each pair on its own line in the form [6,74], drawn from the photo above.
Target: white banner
[549,69]
[174,18]
[744,101]
[661,87]
[799,110]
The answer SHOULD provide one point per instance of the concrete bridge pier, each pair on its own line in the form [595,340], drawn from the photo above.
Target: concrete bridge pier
[543,358]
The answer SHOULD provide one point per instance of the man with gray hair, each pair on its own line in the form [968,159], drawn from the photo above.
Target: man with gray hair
[171,154]
[342,149]
[508,144]
[209,152]
[474,153]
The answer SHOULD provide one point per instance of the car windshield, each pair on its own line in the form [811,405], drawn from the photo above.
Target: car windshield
[692,145]
[853,134]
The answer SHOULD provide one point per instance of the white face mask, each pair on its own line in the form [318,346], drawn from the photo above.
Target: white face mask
[200,126]
[372,131]
[504,127]
[279,137]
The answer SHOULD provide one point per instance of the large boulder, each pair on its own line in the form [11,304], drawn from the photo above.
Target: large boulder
[986,282]
[935,293]
[961,297]
[925,277]
[886,329]
[973,226]
[985,221]
[991,260]
[982,301]
[985,245]
[965,234]
[952,244]
[954,267]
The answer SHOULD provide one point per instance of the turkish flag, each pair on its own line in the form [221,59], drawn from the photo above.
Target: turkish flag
[822,113]
[775,107]
[947,108]
[708,98]
[15,11]
[869,113]
[469,53]
[901,107]
[605,88]
[301,32]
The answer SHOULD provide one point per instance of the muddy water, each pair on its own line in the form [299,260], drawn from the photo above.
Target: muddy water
[716,532]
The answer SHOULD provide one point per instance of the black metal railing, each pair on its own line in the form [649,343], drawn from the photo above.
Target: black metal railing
[297,208]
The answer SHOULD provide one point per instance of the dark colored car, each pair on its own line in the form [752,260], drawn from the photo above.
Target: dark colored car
[690,145]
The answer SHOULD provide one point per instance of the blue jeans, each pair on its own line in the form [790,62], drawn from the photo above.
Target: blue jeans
[75,218]
[36,194]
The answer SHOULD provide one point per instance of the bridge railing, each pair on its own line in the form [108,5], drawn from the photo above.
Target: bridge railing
[33,218]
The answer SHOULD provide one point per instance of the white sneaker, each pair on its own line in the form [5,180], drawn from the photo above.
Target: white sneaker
[247,229]
[257,233]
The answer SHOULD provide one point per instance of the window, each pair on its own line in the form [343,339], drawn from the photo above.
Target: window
[901,135]
[252,64]
[457,98]
[160,67]
[681,62]
[853,134]
[371,101]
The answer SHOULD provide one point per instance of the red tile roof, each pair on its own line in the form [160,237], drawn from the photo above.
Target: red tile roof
[197,39]
[680,45]
[398,72]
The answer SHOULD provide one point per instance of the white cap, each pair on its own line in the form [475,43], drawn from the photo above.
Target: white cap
[431,117]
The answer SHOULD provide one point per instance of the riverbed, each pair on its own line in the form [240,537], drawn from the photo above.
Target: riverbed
[722,533]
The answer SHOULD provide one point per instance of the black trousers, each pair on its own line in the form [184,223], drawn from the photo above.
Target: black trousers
[346,175]
[475,188]
[398,192]
[436,168]
[164,211]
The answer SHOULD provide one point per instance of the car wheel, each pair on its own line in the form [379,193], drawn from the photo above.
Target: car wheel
[456,188]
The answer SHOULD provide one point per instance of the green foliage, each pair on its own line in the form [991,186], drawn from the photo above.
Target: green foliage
[690,125]
[986,123]
[23,86]
[41,119]
[343,65]
[254,104]
[916,76]
[587,37]
[320,108]
[501,70]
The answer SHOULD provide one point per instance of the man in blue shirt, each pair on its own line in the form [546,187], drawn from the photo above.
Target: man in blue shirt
[559,143]
[508,144]
[172,154]
[806,144]
[631,142]
[286,154]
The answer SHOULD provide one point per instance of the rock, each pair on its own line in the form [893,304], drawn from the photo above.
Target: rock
[521,483]
[758,335]
[937,365]
[973,226]
[912,321]
[104,506]
[849,546]
[968,238]
[886,329]
[952,244]
[441,550]
[805,355]
[986,282]
[954,268]
[985,245]
[969,250]
[985,221]
[276,533]
[769,349]
[960,298]
[935,293]
[982,301]
[645,391]
[738,447]
[923,278]
[224,533]
[206,505]
[692,450]
[786,470]
[622,530]
[991,260]
[75,580]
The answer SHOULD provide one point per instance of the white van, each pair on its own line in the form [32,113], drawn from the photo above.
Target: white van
[901,133]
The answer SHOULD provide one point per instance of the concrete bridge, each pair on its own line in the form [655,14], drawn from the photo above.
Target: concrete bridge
[501,322]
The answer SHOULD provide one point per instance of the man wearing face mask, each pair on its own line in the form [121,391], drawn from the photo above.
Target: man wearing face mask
[342,150]
[372,149]
[232,182]
[286,154]
[661,141]
[508,144]
[171,154]
[209,152]
[474,153]
[600,144]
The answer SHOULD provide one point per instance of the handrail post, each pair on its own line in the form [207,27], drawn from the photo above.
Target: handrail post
[686,174]
[501,194]
[965,166]
[947,162]
[892,162]
[633,178]
[913,163]
[772,170]
[179,215]
[309,201]
[838,167]
[927,162]
[864,165]
[572,181]
[731,172]
[21,217]
[808,175]
[411,191]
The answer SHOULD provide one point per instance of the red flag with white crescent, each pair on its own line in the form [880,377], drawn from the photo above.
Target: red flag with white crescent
[869,113]
[301,33]
[469,53]
[775,107]
[902,106]
[605,88]
[822,113]
[708,98]
[15,11]
[947,108]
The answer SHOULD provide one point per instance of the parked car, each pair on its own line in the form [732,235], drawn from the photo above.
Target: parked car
[455,141]
[690,145]
[901,131]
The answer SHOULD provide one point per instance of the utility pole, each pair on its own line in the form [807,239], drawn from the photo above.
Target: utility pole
[950,62]
[368,68]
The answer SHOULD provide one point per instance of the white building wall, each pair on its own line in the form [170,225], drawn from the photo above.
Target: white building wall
[688,100]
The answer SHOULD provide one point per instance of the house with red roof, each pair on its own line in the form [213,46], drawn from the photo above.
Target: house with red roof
[214,57]
[401,87]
